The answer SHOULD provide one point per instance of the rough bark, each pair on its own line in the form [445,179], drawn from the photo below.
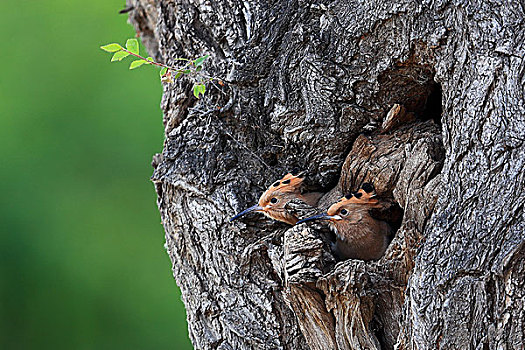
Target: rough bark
[424,99]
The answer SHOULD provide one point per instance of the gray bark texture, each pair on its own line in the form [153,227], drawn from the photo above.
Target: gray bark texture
[425,99]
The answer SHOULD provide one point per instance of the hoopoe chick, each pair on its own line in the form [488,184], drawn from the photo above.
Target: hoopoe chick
[359,234]
[282,200]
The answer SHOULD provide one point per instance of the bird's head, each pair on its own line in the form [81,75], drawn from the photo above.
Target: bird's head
[348,209]
[273,200]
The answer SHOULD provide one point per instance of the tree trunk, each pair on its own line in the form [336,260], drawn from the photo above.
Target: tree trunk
[425,100]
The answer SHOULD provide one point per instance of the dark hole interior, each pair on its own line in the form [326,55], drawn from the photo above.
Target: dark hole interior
[433,106]
[396,218]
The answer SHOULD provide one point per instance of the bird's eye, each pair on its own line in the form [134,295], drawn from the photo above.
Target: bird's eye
[274,200]
[343,212]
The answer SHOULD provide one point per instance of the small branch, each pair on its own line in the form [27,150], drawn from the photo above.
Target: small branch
[160,64]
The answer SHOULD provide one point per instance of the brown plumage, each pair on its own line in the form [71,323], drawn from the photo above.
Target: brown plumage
[284,200]
[359,234]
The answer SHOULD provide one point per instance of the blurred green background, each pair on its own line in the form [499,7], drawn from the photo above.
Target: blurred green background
[82,263]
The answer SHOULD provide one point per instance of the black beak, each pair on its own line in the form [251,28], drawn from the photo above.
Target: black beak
[246,211]
[315,217]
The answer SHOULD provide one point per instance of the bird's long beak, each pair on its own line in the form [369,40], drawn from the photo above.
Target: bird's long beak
[316,217]
[246,211]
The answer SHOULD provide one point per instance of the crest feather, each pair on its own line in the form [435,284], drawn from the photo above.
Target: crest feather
[289,183]
[365,196]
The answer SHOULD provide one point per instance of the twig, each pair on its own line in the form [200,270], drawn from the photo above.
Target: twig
[160,64]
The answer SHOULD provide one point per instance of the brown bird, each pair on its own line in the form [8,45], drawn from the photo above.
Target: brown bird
[284,200]
[359,234]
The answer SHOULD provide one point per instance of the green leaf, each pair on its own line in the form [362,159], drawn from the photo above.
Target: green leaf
[111,47]
[200,60]
[118,56]
[199,89]
[177,76]
[198,69]
[133,46]
[186,71]
[150,59]
[136,64]
[163,71]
